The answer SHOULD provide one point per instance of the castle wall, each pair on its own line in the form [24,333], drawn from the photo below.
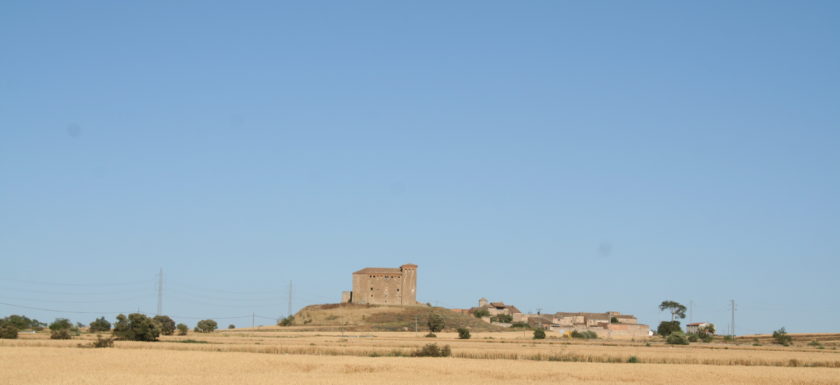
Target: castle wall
[408,287]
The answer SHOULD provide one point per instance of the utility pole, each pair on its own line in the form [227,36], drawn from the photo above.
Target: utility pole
[160,293]
[732,325]
[252,320]
[289,312]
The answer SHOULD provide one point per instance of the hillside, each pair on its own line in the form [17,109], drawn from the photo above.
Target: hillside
[384,318]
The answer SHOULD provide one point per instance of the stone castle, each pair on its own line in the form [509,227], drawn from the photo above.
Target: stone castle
[383,286]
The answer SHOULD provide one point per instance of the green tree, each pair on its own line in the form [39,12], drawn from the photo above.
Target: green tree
[539,334]
[182,329]
[676,309]
[136,327]
[166,324]
[614,320]
[677,338]
[100,325]
[502,318]
[288,321]
[435,322]
[206,326]
[464,333]
[781,337]
[667,327]
[481,312]
[231,326]
[61,329]
[8,329]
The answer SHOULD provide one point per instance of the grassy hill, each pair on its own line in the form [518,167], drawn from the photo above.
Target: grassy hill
[384,318]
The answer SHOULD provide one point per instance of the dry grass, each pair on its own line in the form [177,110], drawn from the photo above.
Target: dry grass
[46,365]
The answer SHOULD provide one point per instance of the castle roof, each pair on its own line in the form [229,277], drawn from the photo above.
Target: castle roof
[379,270]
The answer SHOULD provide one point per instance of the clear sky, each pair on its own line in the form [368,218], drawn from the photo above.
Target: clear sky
[563,156]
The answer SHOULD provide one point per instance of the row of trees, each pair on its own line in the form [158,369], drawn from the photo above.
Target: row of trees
[135,327]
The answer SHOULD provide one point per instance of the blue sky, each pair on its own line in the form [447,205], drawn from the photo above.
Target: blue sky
[564,156]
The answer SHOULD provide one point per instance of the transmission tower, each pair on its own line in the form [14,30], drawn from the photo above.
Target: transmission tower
[160,293]
[289,312]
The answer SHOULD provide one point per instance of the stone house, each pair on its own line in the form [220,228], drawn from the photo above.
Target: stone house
[383,286]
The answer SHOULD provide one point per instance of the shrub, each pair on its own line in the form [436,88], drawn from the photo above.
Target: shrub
[21,322]
[435,322]
[100,325]
[692,337]
[432,350]
[206,326]
[502,318]
[614,320]
[816,344]
[288,321]
[61,328]
[539,334]
[231,326]
[463,333]
[586,334]
[60,334]
[522,325]
[8,330]
[430,335]
[166,324]
[705,337]
[667,327]
[632,360]
[136,327]
[107,342]
[481,312]
[782,338]
[676,338]
[729,338]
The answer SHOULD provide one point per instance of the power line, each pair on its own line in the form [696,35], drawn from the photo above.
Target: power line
[76,284]
[160,293]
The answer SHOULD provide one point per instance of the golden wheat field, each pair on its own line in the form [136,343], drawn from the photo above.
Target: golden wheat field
[270,355]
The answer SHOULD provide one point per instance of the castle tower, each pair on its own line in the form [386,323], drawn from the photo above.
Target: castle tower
[408,289]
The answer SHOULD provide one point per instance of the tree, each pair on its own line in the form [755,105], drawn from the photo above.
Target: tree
[100,325]
[60,329]
[676,338]
[481,312]
[435,322]
[288,321]
[463,333]
[206,326]
[182,329]
[781,337]
[614,320]
[667,327]
[231,326]
[8,330]
[539,334]
[136,327]
[166,324]
[676,309]
[502,318]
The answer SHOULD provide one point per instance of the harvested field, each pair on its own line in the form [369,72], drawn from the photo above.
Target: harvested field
[47,365]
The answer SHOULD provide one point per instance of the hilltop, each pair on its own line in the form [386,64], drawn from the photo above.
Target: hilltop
[384,318]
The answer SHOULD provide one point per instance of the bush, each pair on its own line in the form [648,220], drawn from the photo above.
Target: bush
[432,350]
[431,335]
[522,325]
[182,329]
[100,325]
[705,337]
[166,324]
[463,333]
[231,326]
[729,338]
[136,327]
[481,312]
[21,322]
[288,321]
[60,334]
[435,322]
[61,329]
[107,342]
[502,318]
[782,338]
[692,337]
[206,326]
[586,334]
[539,334]
[614,320]
[633,360]
[815,344]
[667,327]
[676,338]
[8,330]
